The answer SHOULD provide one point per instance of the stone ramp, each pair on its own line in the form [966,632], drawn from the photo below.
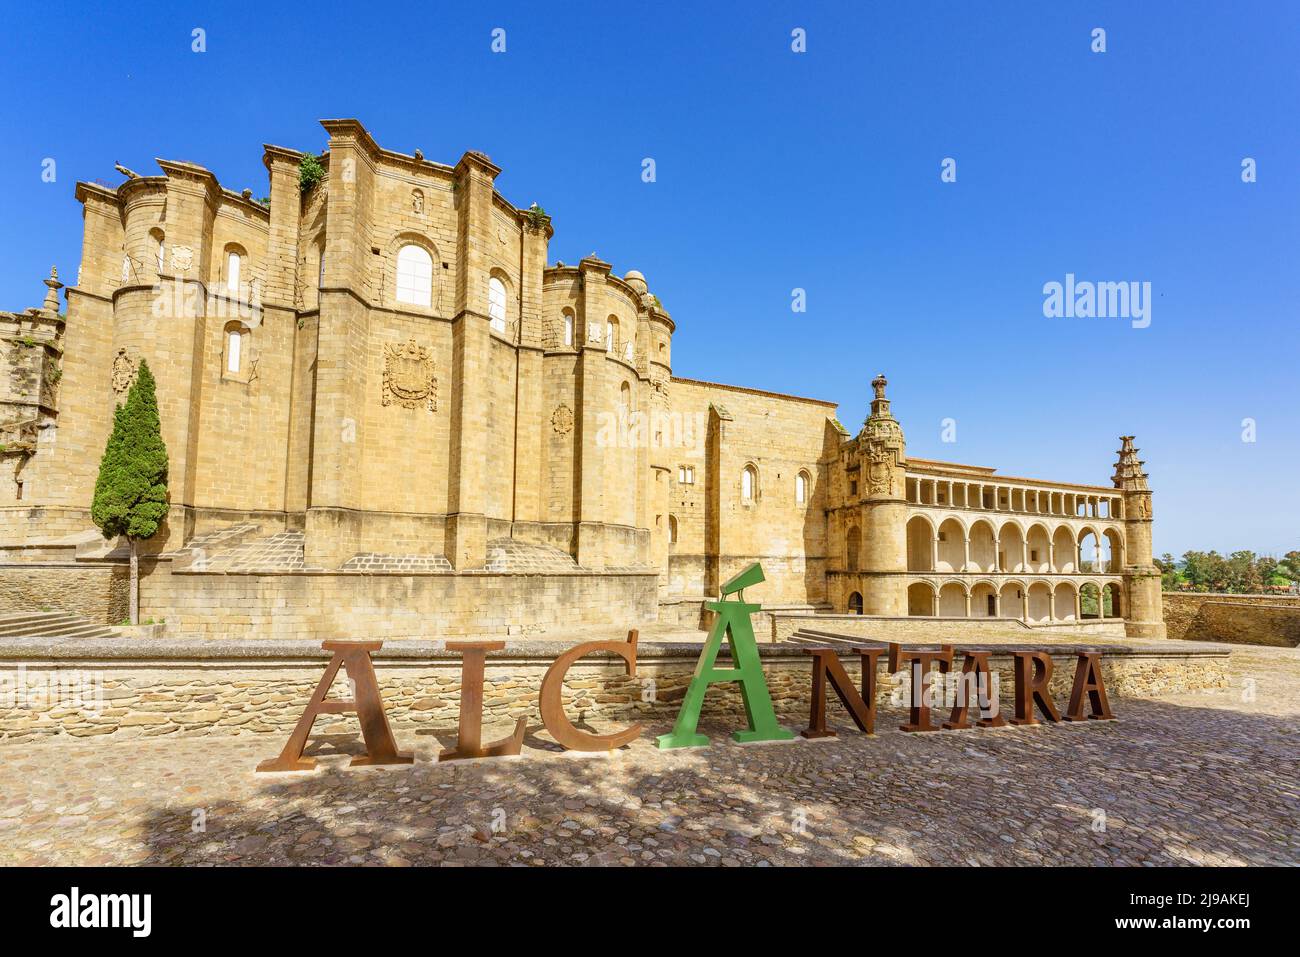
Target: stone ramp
[51,624]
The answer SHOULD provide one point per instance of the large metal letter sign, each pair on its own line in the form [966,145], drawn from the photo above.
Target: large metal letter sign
[354,657]
[733,623]
[552,705]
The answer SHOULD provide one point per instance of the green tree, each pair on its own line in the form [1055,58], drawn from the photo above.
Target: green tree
[131,491]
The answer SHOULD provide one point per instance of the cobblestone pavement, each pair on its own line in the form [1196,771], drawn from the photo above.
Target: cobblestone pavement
[1201,779]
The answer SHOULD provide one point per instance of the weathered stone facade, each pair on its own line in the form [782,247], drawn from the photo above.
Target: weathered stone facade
[381,404]
[1238,619]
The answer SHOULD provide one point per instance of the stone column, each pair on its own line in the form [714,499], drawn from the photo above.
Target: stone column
[1143,604]
[884,528]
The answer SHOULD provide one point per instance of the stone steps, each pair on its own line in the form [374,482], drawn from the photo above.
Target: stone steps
[51,624]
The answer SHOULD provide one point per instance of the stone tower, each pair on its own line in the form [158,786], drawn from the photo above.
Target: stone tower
[1144,616]
[884,509]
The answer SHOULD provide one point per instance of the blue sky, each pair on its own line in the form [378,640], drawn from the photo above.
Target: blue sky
[819,170]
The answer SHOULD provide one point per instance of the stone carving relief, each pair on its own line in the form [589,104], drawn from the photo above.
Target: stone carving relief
[182,258]
[562,420]
[881,470]
[408,376]
[417,202]
[123,372]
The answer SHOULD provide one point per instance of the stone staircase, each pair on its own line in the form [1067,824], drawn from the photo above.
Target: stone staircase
[50,624]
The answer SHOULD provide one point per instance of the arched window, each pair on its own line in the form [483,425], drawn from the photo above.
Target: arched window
[160,248]
[568,327]
[801,488]
[672,529]
[611,333]
[236,348]
[497,304]
[625,397]
[414,276]
[233,262]
[749,483]
[320,270]
[855,604]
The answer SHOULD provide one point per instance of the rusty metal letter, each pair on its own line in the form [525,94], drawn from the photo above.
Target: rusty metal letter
[975,668]
[354,657]
[552,707]
[861,707]
[1087,680]
[469,734]
[922,682]
[1033,690]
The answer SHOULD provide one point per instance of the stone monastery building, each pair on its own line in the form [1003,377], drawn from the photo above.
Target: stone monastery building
[386,416]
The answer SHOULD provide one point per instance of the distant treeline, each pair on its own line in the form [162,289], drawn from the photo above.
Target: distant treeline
[1242,573]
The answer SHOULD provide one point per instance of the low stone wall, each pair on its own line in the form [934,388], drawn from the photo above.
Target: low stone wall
[1238,619]
[389,605]
[778,626]
[157,688]
[98,590]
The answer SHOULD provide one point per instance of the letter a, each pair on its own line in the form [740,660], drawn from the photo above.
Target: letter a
[354,656]
[732,621]
[1087,680]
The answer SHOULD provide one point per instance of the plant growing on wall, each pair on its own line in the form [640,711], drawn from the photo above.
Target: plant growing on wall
[131,491]
[310,172]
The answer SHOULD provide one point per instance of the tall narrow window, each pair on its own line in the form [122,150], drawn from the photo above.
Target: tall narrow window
[320,269]
[749,483]
[232,272]
[160,249]
[234,350]
[497,304]
[568,327]
[414,276]
[611,334]
[801,488]
[672,529]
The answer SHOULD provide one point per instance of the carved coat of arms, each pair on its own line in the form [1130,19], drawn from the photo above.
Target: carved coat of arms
[123,372]
[408,376]
[880,471]
[562,420]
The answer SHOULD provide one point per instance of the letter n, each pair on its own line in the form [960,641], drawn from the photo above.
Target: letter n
[1087,680]
[1031,689]
[354,657]
[861,707]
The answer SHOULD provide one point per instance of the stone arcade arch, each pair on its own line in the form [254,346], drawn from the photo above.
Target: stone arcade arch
[920,544]
[1112,601]
[1011,548]
[1040,602]
[983,548]
[1039,546]
[983,600]
[921,599]
[951,547]
[952,600]
[1011,600]
[1064,602]
[1064,557]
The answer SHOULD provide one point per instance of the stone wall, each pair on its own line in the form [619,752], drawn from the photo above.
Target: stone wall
[320,605]
[266,686]
[1239,619]
[100,592]
[776,626]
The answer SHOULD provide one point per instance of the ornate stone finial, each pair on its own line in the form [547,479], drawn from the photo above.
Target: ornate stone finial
[880,404]
[1128,468]
[879,383]
[883,446]
[52,292]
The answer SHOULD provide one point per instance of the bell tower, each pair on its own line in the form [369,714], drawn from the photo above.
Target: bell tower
[1144,613]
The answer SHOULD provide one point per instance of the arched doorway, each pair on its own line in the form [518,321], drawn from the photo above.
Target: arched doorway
[855,604]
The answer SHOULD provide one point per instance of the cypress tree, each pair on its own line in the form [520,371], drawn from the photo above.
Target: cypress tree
[131,491]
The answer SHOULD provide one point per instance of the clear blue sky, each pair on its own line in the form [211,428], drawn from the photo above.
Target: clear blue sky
[779,170]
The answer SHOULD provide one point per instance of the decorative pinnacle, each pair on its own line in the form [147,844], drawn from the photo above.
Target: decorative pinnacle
[52,294]
[1128,468]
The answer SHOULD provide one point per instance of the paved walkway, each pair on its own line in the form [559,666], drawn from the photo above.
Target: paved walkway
[1203,779]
